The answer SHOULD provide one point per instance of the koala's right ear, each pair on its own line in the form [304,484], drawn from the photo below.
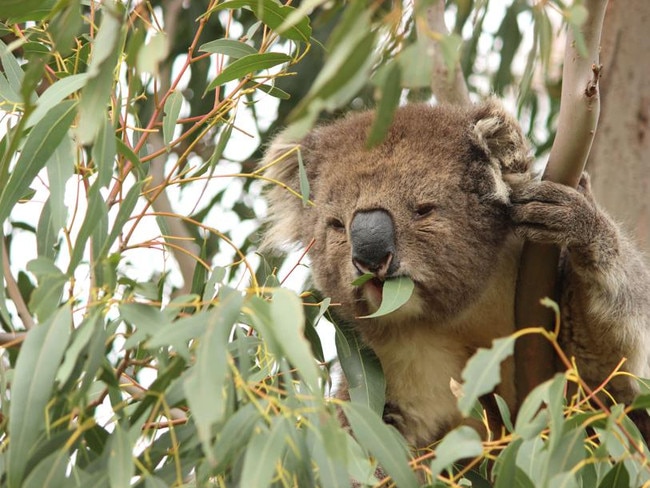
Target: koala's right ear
[499,136]
[287,216]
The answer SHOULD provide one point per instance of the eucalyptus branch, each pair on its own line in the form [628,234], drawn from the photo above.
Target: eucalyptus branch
[14,291]
[10,339]
[138,392]
[162,205]
[578,118]
[446,85]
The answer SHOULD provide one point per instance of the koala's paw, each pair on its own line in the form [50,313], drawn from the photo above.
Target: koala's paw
[543,211]
[393,416]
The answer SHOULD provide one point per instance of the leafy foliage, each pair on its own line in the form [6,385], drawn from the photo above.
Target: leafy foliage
[144,341]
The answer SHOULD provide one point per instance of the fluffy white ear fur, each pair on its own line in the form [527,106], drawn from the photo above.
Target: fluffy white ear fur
[499,135]
[285,216]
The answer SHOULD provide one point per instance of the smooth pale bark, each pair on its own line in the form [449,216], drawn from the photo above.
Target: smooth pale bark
[619,163]
[579,112]
[447,87]
[186,248]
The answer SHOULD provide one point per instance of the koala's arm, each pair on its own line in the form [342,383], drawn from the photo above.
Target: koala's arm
[606,283]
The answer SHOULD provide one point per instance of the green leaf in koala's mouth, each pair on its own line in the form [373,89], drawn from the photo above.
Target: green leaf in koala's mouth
[360,280]
[396,292]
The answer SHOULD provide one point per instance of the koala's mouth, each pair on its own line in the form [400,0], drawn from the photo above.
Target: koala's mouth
[401,296]
[374,290]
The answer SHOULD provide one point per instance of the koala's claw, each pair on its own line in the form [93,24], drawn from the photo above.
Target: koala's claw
[543,211]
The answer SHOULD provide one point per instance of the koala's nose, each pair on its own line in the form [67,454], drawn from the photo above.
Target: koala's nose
[373,242]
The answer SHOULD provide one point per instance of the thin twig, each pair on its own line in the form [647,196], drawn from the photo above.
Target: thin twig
[11,339]
[13,290]
[138,392]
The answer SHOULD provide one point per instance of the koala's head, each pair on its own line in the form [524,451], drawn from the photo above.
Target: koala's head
[430,203]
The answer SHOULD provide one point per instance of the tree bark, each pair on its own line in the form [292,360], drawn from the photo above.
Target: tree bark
[579,114]
[620,158]
[446,87]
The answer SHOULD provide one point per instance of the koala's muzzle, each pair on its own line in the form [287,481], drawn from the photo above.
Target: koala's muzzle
[372,234]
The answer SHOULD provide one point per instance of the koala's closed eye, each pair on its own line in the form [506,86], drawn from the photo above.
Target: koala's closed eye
[424,210]
[336,224]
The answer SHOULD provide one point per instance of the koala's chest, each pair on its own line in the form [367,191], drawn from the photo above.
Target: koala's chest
[421,360]
[422,379]
[418,378]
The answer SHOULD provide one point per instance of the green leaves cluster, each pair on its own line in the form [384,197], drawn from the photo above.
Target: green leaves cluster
[109,379]
[552,442]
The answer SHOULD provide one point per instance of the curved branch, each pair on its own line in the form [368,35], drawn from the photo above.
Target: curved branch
[14,291]
[579,111]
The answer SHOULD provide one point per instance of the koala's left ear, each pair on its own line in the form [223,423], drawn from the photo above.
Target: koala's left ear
[287,218]
[499,135]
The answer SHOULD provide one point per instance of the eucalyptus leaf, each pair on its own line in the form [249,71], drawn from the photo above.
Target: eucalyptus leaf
[532,459]
[46,233]
[461,443]
[177,334]
[172,109]
[289,322]
[507,473]
[23,10]
[330,454]
[205,385]
[229,47]
[57,92]
[96,92]
[263,453]
[65,26]
[81,337]
[95,213]
[248,65]
[104,151]
[416,65]
[616,477]
[152,53]
[124,213]
[12,71]
[50,472]
[531,420]
[395,293]
[271,90]
[274,15]
[362,369]
[567,453]
[483,372]
[42,141]
[46,297]
[60,168]
[120,458]
[384,444]
[36,367]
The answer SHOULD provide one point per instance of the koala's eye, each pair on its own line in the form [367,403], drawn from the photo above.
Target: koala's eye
[336,224]
[424,209]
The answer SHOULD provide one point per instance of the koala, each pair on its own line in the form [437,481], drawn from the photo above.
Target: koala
[447,199]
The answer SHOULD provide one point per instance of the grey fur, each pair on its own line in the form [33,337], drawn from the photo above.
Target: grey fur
[457,185]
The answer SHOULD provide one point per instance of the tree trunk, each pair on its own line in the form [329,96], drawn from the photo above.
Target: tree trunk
[620,156]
